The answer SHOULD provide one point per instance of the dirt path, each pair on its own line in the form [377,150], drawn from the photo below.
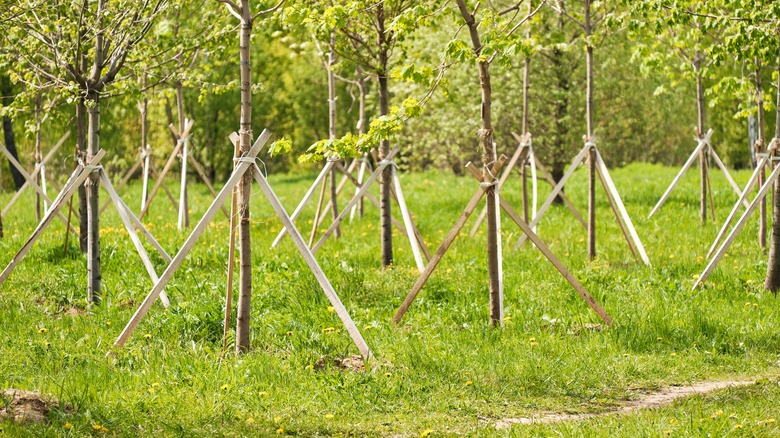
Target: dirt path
[648,401]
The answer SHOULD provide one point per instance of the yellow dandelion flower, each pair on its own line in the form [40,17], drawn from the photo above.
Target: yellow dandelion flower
[250,420]
[289,333]
[151,390]
[147,336]
[68,426]
[97,427]
[425,433]
[674,421]
[388,374]
[42,331]
[769,421]
[280,430]
[328,330]
[718,413]
[277,419]
[667,432]
[738,426]
[224,387]
[331,308]
[469,383]
[755,304]
[108,322]
[329,416]
[263,393]
[659,339]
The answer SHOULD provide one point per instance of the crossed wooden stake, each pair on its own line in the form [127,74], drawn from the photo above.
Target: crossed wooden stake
[419,249]
[525,157]
[181,149]
[242,165]
[591,156]
[130,221]
[30,180]
[703,143]
[484,185]
[717,255]
[148,168]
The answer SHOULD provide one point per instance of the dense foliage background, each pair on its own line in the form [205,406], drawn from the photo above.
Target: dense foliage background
[642,114]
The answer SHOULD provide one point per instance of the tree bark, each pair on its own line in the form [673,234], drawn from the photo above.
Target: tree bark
[38,178]
[589,138]
[700,128]
[385,179]
[526,91]
[488,159]
[332,129]
[773,265]
[245,186]
[94,276]
[6,90]
[760,148]
[81,153]
[184,204]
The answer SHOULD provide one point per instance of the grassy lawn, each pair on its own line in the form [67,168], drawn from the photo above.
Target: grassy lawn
[443,370]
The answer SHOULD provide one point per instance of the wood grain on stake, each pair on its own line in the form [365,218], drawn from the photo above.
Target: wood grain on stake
[445,245]
[621,208]
[133,236]
[619,218]
[407,220]
[77,178]
[738,227]
[557,263]
[238,173]
[341,311]
[733,213]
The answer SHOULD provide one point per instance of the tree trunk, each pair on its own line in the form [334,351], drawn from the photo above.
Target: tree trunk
[38,178]
[760,148]
[488,159]
[6,90]
[81,153]
[559,158]
[93,207]
[385,179]
[589,138]
[773,266]
[700,128]
[332,129]
[183,199]
[526,91]
[245,186]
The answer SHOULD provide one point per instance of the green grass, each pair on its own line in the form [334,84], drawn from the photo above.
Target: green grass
[443,369]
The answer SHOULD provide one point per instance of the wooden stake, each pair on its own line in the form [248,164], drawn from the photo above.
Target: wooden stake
[407,220]
[231,258]
[688,163]
[173,266]
[315,223]
[317,181]
[737,228]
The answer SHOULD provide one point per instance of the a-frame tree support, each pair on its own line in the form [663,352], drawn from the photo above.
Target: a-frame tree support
[723,243]
[180,150]
[703,148]
[31,180]
[527,230]
[592,157]
[419,249]
[242,165]
[148,168]
[130,221]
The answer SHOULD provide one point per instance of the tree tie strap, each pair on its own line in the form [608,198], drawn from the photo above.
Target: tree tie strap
[388,163]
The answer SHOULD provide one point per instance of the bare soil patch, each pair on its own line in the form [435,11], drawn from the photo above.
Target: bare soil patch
[25,406]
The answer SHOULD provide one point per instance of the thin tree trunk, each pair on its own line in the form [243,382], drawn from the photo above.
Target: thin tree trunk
[592,151]
[332,129]
[488,159]
[93,220]
[245,186]
[38,180]
[773,265]
[760,148]
[184,203]
[361,120]
[526,91]
[6,91]
[700,128]
[81,153]
[385,180]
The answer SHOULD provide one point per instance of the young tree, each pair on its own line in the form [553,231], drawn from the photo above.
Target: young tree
[246,18]
[79,51]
